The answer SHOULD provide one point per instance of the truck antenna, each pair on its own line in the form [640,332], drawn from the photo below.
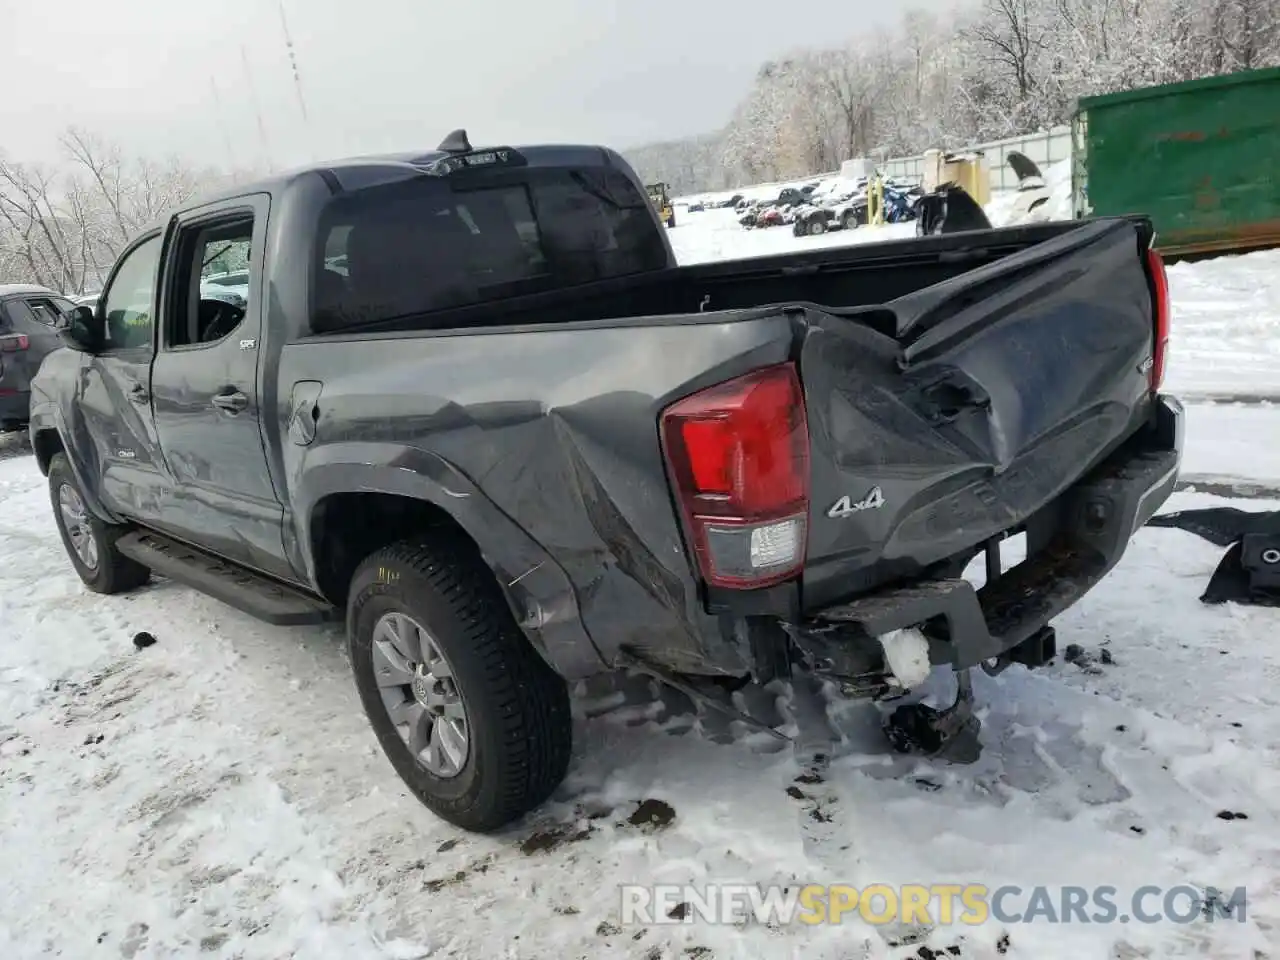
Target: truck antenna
[456,142]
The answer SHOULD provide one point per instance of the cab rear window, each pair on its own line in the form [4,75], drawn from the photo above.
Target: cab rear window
[426,245]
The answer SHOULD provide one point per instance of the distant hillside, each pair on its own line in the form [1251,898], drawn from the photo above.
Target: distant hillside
[686,166]
[990,69]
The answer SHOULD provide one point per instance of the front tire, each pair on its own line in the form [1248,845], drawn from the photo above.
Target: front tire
[473,720]
[90,543]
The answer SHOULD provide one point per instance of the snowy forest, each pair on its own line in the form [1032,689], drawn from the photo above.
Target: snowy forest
[996,69]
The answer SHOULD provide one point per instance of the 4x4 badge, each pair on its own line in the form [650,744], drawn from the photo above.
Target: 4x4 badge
[846,504]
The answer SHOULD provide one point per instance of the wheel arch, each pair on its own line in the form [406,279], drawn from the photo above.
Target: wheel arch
[350,509]
[47,443]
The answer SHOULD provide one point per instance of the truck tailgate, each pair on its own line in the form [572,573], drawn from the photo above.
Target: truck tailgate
[997,391]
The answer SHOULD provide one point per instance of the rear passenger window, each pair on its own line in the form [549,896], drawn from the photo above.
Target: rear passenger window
[46,312]
[599,226]
[425,245]
[20,314]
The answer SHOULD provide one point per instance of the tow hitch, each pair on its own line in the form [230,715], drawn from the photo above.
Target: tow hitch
[920,728]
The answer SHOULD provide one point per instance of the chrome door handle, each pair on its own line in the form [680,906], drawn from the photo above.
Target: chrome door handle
[230,402]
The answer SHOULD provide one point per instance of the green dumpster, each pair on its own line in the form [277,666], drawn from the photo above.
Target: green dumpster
[1199,158]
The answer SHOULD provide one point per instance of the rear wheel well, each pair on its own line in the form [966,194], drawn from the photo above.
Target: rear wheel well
[47,444]
[347,527]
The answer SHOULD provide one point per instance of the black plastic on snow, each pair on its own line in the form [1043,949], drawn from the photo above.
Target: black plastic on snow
[1249,572]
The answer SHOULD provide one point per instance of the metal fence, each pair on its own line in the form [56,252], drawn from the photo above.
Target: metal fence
[1044,148]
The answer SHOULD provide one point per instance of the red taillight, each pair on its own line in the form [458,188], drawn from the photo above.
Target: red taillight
[13,342]
[738,454]
[1160,352]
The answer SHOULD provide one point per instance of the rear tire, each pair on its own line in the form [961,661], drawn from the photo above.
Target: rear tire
[90,543]
[817,228]
[509,744]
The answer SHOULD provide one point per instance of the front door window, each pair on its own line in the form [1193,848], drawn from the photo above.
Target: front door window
[129,304]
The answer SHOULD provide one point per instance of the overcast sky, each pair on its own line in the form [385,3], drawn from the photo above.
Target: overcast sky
[392,74]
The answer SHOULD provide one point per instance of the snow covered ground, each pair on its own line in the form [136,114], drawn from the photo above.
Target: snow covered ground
[219,795]
[716,235]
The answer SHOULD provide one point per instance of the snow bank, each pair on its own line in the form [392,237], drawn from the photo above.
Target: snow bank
[717,235]
[1226,328]
[1002,208]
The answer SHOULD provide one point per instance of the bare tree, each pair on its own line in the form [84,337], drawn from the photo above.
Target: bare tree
[1013,35]
[37,233]
[105,168]
[63,227]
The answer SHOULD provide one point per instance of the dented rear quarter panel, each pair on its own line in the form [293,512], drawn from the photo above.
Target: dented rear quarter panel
[543,443]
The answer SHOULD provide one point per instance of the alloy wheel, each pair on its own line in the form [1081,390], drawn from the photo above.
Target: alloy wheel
[420,694]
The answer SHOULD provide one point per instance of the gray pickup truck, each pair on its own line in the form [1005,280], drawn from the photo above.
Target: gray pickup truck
[469,402]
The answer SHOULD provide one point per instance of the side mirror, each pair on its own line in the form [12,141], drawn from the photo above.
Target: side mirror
[82,330]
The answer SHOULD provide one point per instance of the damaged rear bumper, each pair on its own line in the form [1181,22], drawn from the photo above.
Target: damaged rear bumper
[1006,620]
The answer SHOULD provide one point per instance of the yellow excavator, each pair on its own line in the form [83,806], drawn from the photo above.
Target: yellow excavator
[662,203]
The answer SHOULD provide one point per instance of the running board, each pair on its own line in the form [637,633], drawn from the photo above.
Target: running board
[250,592]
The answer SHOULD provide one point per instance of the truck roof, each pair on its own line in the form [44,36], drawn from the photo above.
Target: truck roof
[368,170]
[23,289]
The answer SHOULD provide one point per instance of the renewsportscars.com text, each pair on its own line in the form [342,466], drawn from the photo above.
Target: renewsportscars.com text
[938,904]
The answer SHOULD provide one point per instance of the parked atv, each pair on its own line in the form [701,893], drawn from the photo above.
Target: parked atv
[773,217]
[811,220]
